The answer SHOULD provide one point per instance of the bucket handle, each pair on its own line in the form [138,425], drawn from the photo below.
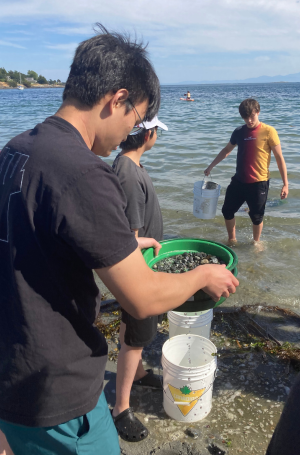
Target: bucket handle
[189,402]
[209,177]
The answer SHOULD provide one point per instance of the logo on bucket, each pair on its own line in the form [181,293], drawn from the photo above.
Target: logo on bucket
[185,395]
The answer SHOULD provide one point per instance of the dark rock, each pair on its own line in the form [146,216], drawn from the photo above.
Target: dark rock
[215,450]
[190,431]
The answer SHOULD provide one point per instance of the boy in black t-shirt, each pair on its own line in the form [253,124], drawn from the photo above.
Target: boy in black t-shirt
[62,214]
[145,220]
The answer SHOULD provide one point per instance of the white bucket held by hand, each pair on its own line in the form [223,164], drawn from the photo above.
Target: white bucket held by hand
[196,323]
[189,370]
[206,195]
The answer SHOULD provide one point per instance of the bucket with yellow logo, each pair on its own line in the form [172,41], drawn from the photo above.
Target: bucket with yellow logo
[189,367]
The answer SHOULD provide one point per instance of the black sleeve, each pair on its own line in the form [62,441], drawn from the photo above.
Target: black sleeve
[233,139]
[134,192]
[90,217]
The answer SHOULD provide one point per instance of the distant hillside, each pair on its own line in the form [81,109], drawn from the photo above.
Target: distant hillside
[254,80]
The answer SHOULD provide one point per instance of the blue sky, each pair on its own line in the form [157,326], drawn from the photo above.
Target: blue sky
[188,39]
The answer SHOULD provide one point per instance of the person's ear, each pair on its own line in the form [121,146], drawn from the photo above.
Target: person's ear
[119,98]
[147,136]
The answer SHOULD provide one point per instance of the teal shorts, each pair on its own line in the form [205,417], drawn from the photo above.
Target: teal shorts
[92,434]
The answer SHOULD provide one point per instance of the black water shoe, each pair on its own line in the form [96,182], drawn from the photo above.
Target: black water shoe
[129,427]
[151,380]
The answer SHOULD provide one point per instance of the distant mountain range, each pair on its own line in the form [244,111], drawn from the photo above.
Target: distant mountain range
[253,80]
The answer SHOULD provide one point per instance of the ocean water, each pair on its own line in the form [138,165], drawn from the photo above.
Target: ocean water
[197,132]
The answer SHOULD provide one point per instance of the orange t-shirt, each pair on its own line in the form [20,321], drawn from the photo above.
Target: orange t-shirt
[254,152]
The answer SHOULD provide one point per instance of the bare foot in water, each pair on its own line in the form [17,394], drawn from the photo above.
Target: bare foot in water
[259,246]
[231,242]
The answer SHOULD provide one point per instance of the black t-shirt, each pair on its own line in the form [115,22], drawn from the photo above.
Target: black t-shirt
[62,214]
[142,210]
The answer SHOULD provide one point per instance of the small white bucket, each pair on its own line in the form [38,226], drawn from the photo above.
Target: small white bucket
[206,195]
[197,323]
[188,374]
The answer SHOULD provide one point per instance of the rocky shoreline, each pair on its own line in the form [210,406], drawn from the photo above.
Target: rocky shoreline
[249,393]
[4,86]
[258,361]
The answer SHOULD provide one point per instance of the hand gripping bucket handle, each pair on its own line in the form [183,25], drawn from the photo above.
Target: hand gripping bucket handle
[207,176]
[209,179]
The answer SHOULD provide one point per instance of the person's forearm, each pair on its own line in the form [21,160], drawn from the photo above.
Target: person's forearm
[159,293]
[282,169]
[143,292]
[165,291]
[220,157]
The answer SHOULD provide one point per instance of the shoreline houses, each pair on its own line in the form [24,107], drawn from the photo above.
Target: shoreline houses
[30,79]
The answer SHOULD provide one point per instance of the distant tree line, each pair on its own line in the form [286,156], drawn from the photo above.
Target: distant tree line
[13,78]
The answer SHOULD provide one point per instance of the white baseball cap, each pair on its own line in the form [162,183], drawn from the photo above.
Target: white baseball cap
[154,122]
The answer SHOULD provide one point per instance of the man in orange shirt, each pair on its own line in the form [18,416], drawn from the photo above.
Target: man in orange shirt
[250,184]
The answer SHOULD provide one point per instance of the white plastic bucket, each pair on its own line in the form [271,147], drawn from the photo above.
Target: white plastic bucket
[196,323]
[205,200]
[188,375]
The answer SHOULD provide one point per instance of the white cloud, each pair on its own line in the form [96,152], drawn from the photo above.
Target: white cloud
[69,47]
[22,32]
[19,39]
[7,43]
[173,27]
[84,30]
[262,58]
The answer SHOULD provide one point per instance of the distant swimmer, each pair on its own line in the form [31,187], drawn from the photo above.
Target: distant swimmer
[188,97]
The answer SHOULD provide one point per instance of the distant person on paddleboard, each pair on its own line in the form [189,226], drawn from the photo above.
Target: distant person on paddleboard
[188,97]
[255,141]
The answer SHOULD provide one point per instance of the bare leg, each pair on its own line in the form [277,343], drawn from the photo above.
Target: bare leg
[140,372]
[4,447]
[230,226]
[257,229]
[129,369]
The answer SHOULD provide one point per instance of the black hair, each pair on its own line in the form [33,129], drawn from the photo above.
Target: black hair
[248,106]
[137,140]
[109,62]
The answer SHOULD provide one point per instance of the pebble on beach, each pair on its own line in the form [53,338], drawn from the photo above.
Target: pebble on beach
[192,432]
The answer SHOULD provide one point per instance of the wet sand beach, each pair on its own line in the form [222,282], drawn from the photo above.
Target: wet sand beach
[258,360]
[249,391]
